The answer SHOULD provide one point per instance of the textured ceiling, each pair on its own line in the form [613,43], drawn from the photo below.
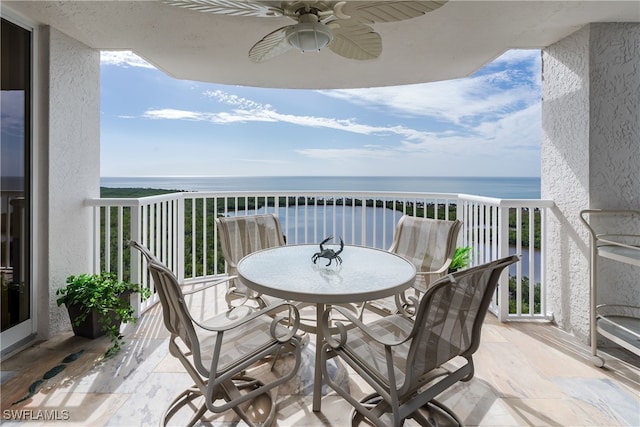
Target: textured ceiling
[450,42]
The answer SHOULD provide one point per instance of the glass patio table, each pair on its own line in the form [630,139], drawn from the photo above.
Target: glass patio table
[288,272]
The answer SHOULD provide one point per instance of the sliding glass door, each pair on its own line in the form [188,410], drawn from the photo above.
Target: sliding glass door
[15,183]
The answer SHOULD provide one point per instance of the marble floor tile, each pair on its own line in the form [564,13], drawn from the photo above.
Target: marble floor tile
[556,412]
[508,370]
[605,397]
[525,375]
[58,407]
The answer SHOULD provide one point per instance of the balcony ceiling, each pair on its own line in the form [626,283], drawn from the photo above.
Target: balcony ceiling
[450,42]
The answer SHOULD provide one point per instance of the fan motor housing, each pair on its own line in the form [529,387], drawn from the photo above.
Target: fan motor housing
[309,36]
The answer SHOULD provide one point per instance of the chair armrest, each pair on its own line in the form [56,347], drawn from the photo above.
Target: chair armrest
[292,319]
[342,330]
[209,285]
[441,270]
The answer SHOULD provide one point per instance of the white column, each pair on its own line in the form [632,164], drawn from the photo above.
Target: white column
[72,140]
[590,155]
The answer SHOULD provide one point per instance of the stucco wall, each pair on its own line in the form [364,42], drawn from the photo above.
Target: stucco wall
[615,142]
[590,158]
[73,132]
[565,175]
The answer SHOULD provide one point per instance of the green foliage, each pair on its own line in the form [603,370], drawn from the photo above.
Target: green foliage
[461,258]
[102,292]
[430,210]
[525,229]
[131,193]
[524,301]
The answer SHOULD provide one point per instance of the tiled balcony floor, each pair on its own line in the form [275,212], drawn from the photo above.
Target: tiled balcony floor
[526,375]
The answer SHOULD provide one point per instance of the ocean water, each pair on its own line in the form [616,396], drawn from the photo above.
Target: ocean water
[500,187]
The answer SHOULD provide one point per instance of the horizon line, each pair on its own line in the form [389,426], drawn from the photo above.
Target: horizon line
[318,176]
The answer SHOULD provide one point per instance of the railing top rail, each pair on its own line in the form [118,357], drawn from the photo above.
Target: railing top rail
[134,201]
[292,193]
[507,203]
[492,201]
[344,193]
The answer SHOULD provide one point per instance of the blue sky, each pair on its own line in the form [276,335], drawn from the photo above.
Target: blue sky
[487,124]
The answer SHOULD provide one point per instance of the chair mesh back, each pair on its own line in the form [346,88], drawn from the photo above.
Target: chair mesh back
[451,314]
[427,243]
[174,311]
[242,235]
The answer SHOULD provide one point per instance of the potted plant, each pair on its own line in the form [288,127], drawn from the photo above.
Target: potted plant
[461,259]
[98,304]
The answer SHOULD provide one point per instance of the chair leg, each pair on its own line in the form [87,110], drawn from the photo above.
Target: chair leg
[427,416]
[257,418]
[263,406]
[442,409]
[183,399]
[304,341]
[376,407]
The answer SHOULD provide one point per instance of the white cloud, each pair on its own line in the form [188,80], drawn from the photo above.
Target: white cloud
[449,127]
[461,100]
[449,101]
[123,58]
[516,56]
[521,129]
[172,114]
[263,161]
[265,113]
[518,131]
[492,112]
[235,100]
[366,152]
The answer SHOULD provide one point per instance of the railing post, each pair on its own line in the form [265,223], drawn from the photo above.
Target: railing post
[107,241]
[503,250]
[180,239]
[120,244]
[543,262]
[461,214]
[96,238]
[134,260]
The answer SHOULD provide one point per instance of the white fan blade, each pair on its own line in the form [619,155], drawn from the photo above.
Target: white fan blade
[388,11]
[272,45]
[354,40]
[230,7]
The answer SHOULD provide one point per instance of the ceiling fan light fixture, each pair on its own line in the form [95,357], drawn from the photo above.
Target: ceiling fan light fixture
[309,36]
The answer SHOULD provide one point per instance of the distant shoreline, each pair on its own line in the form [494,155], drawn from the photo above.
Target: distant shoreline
[133,192]
[499,187]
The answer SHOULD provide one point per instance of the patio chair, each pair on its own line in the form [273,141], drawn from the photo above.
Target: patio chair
[240,236]
[217,352]
[430,245]
[408,362]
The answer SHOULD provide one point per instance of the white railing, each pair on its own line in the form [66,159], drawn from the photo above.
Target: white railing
[180,229]
[494,228]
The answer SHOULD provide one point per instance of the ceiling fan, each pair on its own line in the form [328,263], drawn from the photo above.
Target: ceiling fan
[343,26]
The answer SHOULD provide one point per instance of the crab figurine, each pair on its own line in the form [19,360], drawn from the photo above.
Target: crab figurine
[330,254]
